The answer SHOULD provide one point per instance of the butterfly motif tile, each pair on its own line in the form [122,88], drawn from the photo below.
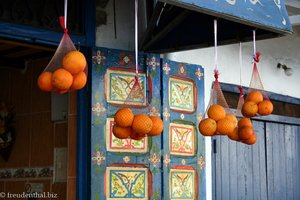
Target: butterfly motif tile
[119,84]
[126,183]
[182,139]
[114,144]
[181,94]
[182,183]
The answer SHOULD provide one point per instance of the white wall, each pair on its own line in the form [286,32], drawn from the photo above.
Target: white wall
[105,34]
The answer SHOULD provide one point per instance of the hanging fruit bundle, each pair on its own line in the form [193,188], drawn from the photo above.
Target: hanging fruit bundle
[127,124]
[136,127]
[67,70]
[218,119]
[257,101]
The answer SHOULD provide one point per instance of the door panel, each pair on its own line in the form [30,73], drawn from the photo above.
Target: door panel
[238,169]
[184,147]
[123,169]
[268,169]
[283,161]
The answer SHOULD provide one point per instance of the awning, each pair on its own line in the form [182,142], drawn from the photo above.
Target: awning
[187,24]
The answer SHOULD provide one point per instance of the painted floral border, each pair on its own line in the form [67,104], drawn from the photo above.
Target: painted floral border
[20,173]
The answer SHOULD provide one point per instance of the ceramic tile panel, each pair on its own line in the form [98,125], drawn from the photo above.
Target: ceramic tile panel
[119,84]
[114,144]
[182,139]
[126,183]
[183,184]
[182,94]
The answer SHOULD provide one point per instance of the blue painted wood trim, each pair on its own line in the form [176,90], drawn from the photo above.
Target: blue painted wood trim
[43,36]
[277,97]
[83,137]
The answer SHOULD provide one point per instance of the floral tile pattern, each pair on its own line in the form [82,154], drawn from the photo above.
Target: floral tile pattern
[182,184]
[181,95]
[19,173]
[126,183]
[120,83]
[182,139]
[114,144]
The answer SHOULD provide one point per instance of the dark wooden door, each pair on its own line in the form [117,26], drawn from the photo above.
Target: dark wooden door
[268,170]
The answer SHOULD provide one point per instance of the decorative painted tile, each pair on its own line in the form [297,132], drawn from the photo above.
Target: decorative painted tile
[21,173]
[114,144]
[182,139]
[182,94]
[126,183]
[183,184]
[119,84]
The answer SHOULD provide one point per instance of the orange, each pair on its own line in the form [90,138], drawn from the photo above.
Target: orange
[234,135]
[251,140]
[62,79]
[121,132]
[216,112]
[44,81]
[225,126]
[142,124]
[157,126]
[245,132]
[79,81]
[124,117]
[74,62]
[207,127]
[136,136]
[265,107]
[255,96]
[232,118]
[245,122]
[249,109]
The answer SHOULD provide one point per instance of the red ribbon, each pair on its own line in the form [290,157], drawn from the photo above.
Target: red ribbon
[62,24]
[256,57]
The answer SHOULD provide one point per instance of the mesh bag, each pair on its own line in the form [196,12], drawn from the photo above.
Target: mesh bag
[67,70]
[257,101]
[218,118]
[241,102]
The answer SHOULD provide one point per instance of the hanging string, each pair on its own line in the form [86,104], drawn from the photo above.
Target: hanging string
[254,43]
[241,63]
[136,37]
[215,41]
[66,12]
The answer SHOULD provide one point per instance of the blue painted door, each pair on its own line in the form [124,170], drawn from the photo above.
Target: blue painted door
[170,166]
[184,147]
[123,169]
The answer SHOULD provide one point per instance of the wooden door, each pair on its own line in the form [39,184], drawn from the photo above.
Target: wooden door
[123,169]
[183,146]
[267,170]
[170,166]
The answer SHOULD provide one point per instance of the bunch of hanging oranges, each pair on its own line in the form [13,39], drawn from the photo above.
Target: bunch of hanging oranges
[219,122]
[136,127]
[70,76]
[255,104]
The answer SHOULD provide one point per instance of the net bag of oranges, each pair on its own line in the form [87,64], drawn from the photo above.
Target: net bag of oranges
[257,101]
[67,70]
[136,124]
[217,119]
